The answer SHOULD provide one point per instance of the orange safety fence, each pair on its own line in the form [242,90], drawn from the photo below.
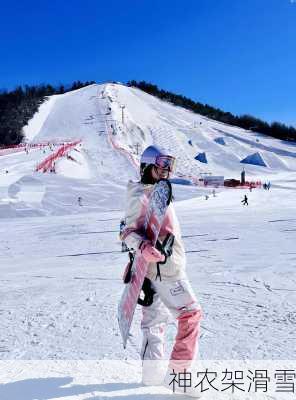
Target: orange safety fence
[116,146]
[10,150]
[121,149]
[48,163]
[16,148]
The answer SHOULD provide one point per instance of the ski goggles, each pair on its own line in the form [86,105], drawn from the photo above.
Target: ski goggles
[166,162]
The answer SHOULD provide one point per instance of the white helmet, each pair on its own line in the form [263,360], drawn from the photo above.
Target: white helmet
[154,155]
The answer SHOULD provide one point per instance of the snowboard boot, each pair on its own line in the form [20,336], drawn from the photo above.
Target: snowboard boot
[153,372]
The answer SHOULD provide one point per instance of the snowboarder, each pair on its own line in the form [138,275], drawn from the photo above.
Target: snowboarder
[79,201]
[172,292]
[245,201]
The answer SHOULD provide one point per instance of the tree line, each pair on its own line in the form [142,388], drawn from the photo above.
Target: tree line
[17,107]
[275,129]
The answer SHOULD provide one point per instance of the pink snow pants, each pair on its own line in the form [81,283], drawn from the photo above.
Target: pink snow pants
[172,298]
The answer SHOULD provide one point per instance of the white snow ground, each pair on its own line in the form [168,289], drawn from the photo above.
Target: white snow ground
[61,263]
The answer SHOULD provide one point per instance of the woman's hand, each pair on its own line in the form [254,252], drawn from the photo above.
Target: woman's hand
[150,253]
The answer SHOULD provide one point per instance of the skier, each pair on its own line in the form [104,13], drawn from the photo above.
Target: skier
[245,201]
[171,290]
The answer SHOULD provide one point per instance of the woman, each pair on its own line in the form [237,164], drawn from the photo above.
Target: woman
[172,291]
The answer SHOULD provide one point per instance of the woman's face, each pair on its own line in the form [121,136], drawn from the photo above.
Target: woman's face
[159,173]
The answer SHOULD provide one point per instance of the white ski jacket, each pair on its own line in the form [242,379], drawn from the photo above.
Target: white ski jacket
[133,234]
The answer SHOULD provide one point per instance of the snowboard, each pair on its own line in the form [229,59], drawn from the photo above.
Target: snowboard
[158,202]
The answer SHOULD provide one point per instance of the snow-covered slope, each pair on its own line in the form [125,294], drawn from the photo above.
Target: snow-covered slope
[115,123]
[138,119]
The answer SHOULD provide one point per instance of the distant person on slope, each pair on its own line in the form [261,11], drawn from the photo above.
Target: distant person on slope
[172,292]
[245,201]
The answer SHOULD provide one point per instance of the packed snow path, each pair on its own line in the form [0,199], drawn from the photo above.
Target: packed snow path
[61,280]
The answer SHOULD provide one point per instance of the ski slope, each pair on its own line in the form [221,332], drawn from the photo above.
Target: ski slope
[61,261]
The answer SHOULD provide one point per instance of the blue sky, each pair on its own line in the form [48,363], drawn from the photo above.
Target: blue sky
[239,55]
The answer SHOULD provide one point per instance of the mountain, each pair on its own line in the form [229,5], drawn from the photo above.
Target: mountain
[137,119]
[115,123]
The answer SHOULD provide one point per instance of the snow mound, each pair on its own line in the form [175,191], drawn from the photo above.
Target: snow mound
[220,140]
[28,189]
[74,165]
[201,157]
[254,159]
